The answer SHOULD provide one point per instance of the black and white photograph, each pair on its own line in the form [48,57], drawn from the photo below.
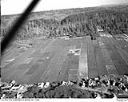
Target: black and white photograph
[64,49]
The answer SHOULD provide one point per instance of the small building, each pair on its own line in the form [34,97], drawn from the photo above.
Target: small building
[65,37]
[99,29]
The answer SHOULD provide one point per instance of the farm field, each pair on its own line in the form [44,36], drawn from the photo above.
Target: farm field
[65,59]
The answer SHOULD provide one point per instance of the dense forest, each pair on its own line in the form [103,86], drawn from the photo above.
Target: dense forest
[112,20]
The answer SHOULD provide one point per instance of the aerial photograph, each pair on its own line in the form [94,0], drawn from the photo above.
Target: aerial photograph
[64,49]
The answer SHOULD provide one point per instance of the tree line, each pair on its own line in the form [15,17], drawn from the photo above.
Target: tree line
[77,25]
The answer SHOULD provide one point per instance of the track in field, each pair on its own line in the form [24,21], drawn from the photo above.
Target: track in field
[51,60]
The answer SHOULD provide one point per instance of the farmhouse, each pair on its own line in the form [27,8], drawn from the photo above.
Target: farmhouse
[99,29]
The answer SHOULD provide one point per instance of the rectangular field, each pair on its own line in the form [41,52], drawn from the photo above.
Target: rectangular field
[61,59]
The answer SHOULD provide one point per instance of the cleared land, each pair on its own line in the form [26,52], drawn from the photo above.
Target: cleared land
[52,60]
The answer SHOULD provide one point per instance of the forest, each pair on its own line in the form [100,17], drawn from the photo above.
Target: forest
[111,20]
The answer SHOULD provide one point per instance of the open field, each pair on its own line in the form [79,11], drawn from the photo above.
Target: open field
[63,59]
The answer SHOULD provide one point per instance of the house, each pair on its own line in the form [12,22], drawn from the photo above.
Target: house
[99,29]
